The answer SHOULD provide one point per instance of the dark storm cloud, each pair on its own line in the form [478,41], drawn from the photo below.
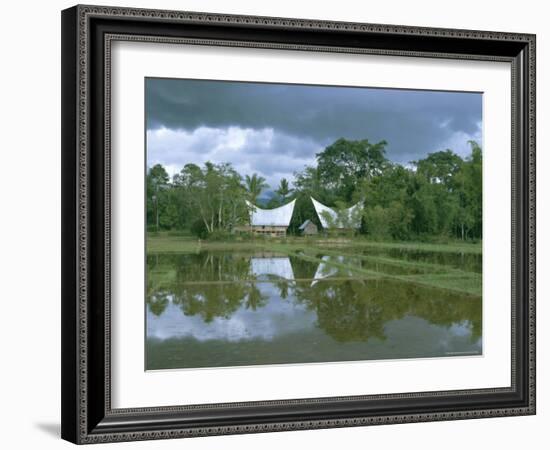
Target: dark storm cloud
[412,122]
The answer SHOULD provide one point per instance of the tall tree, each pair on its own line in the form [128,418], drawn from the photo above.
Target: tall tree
[470,191]
[157,175]
[157,181]
[284,189]
[343,164]
[440,167]
[215,195]
[255,184]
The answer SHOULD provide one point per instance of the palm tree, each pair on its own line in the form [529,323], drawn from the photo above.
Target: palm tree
[284,189]
[255,184]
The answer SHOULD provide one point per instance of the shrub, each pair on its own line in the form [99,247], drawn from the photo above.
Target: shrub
[198,228]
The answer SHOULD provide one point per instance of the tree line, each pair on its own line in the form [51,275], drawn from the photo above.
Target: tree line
[438,196]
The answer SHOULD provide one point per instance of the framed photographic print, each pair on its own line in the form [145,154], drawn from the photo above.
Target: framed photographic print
[277,224]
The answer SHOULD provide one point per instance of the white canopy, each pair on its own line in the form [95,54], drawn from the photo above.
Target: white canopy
[323,210]
[276,217]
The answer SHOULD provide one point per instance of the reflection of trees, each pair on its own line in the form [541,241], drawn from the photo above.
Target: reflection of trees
[216,300]
[209,300]
[205,284]
[356,310]
[198,284]
[283,286]
[197,267]
[254,298]
[344,314]
[158,302]
[302,268]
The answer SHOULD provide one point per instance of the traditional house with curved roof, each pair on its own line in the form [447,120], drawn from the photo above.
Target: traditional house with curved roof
[270,222]
[348,219]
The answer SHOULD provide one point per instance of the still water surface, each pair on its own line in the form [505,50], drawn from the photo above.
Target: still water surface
[215,309]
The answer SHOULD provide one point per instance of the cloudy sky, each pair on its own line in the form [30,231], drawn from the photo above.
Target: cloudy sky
[276,129]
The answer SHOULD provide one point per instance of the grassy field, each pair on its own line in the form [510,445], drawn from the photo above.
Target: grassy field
[165,242]
[379,264]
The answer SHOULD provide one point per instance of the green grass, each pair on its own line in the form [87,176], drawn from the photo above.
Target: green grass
[451,247]
[172,242]
[175,244]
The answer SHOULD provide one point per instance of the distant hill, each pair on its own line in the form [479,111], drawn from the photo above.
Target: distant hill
[264,197]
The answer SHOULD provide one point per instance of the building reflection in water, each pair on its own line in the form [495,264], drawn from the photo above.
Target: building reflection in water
[268,302]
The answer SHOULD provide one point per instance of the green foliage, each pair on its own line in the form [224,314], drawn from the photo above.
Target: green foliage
[440,167]
[343,164]
[198,228]
[254,186]
[157,180]
[283,191]
[375,222]
[303,210]
[392,221]
[213,194]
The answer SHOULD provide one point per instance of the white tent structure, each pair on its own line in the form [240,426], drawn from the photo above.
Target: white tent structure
[352,214]
[272,222]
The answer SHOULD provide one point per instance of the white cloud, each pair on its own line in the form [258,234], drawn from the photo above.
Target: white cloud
[271,154]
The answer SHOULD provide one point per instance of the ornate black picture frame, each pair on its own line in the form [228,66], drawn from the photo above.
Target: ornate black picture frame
[87,34]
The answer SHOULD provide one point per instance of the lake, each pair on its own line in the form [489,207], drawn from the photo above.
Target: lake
[241,308]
